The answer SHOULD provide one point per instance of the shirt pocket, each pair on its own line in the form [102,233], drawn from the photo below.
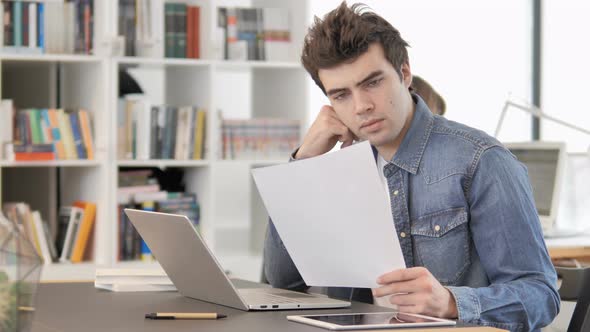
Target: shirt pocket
[441,243]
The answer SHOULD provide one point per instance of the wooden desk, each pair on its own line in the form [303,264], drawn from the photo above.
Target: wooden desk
[65,307]
[577,247]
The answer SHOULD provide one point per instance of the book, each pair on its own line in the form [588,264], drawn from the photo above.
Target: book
[133,280]
[70,235]
[132,276]
[42,240]
[87,134]
[135,288]
[84,230]
[6,124]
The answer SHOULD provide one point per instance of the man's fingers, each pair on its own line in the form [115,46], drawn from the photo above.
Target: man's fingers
[346,144]
[347,138]
[402,275]
[412,299]
[397,287]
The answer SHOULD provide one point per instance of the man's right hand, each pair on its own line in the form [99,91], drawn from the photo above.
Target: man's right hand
[325,132]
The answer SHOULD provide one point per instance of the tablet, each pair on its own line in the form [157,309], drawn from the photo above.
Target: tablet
[372,320]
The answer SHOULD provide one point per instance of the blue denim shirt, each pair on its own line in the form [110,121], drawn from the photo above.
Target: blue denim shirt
[468,206]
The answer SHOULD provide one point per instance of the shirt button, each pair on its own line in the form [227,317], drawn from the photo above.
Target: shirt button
[395,193]
[402,234]
[437,228]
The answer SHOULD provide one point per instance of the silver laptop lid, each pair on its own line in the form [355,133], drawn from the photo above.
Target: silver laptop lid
[182,253]
[545,164]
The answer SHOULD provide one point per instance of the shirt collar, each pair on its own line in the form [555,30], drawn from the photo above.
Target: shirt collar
[410,151]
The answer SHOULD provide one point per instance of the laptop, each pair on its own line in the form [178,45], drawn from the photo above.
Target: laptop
[195,272]
[545,162]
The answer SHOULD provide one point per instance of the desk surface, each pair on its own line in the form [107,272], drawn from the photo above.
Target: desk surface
[577,247]
[64,307]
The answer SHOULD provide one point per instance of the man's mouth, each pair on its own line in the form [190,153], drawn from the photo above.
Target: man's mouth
[371,125]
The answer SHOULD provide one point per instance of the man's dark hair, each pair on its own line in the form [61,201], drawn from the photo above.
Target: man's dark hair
[344,34]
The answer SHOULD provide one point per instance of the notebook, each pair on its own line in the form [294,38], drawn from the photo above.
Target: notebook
[195,272]
[545,162]
[133,280]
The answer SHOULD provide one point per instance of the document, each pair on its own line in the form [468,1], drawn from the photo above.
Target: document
[333,216]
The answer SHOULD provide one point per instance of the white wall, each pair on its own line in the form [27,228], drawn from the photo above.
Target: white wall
[566,68]
[474,53]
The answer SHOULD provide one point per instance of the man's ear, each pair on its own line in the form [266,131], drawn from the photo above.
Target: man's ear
[406,74]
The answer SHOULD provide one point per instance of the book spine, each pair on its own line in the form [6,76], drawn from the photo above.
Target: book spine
[180,24]
[84,230]
[34,156]
[154,133]
[197,32]
[8,24]
[25,24]
[146,253]
[32,148]
[17,14]
[190,30]
[86,134]
[87,27]
[41,25]
[65,128]
[76,132]
[169,29]
[35,121]
[33,25]
[56,134]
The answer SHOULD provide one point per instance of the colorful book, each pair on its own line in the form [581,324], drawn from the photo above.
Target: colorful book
[84,230]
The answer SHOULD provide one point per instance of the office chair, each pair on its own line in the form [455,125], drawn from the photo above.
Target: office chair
[575,286]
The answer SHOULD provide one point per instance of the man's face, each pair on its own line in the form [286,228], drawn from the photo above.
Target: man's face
[370,99]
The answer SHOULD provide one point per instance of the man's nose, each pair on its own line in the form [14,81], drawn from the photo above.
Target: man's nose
[362,103]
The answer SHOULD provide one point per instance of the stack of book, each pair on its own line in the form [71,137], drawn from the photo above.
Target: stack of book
[133,280]
[255,33]
[259,138]
[72,242]
[147,132]
[142,25]
[74,232]
[30,26]
[138,191]
[45,134]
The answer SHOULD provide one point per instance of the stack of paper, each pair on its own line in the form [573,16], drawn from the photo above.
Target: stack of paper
[133,280]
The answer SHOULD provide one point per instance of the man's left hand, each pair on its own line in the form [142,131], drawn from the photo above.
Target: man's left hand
[416,290]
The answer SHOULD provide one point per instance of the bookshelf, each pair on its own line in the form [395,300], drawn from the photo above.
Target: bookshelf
[233,218]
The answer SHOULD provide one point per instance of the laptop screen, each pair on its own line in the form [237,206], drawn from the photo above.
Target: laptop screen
[542,165]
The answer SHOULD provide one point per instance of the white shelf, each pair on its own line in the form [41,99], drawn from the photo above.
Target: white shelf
[231,64]
[49,58]
[128,60]
[163,163]
[54,163]
[223,64]
[225,190]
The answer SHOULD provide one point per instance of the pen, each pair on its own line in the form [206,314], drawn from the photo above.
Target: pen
[184,315]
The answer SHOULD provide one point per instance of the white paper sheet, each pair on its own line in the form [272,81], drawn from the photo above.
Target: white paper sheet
[333,217]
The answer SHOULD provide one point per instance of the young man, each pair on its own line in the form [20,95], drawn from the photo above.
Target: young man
[461,203]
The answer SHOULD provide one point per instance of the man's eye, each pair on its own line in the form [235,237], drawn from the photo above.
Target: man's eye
[374,82]
[340,96]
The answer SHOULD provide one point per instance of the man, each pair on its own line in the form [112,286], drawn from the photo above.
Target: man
[461,203]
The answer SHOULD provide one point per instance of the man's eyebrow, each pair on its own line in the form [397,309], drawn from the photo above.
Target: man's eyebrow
[363,81]
[370,77]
